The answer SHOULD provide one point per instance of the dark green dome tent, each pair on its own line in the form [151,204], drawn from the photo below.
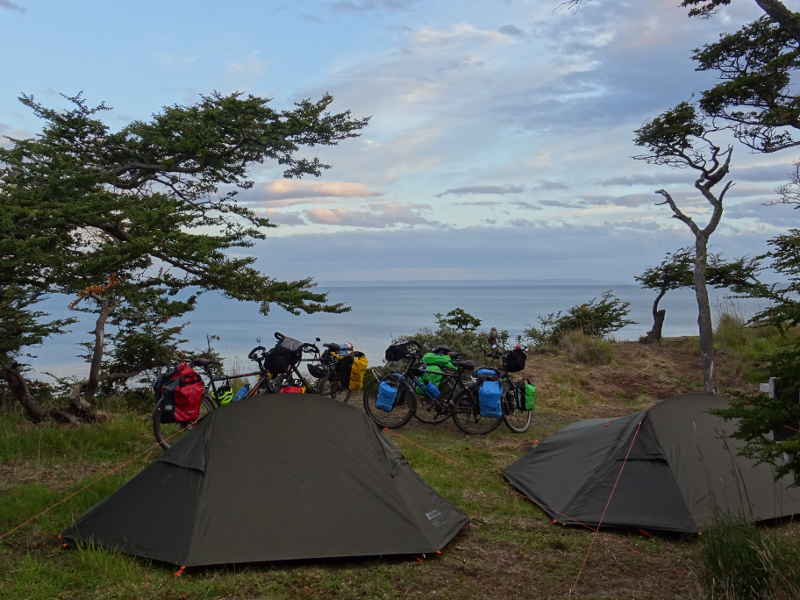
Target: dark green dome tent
[681,471]
[278,477]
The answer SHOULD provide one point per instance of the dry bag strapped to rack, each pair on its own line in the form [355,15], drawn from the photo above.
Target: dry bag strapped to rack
[286,353]
[514,360]
[435,364]
[490,393]
[180,393]
[387,393]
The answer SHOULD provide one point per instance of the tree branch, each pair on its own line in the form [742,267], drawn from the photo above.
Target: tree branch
[677,213]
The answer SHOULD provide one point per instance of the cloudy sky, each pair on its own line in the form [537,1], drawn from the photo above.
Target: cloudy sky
[499,145]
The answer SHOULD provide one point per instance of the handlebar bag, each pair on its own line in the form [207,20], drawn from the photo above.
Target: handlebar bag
[489,394]
[514,360]
[286,353]
[398,351]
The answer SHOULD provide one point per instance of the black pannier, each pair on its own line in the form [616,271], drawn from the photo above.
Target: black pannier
[286,353]
[399,351]
[514,360]
[342,370]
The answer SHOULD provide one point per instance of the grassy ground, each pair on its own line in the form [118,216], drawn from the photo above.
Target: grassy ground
[510,549]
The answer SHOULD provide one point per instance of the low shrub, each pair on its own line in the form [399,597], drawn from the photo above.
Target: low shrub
[596,318]
[586,349]
[473,345]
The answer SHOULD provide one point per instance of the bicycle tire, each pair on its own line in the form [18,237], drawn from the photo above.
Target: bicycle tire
[404,408]
[518,421]
[468,418]
[167,434]
[326,387]
[427,412]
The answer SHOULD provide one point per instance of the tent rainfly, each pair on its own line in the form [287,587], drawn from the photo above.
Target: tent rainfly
[669,468]
[276,478]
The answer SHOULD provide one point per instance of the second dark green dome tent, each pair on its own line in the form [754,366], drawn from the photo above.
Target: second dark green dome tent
[672,467]
[282,477]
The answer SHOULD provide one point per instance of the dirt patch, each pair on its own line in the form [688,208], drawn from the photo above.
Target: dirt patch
[56,476]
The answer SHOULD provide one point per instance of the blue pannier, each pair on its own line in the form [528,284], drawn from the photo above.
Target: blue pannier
[489,395]
[387,396]
[486,373]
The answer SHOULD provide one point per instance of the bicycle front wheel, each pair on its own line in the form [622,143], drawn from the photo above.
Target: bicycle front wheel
[404,407]
[468,418]
[334,389]
[167,434]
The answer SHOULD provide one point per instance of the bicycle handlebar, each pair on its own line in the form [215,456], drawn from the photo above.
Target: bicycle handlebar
[255,352]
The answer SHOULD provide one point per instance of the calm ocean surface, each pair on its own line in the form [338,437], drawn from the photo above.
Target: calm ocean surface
[384,311]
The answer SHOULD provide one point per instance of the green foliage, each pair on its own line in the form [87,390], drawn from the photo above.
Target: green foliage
[597,318]
[784,258]
[457,331]
[458,319]
[776,353]
[674,130]
[703,8]
[586,349]
[154,203]
[757,66]
[142,339]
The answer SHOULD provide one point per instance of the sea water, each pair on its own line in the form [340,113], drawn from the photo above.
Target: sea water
[381,312]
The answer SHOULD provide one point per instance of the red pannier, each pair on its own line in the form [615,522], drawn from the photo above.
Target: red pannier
[292,389]
[182,392]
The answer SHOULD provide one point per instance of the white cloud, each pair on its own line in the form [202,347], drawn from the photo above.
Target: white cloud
[251,65]
[458,33]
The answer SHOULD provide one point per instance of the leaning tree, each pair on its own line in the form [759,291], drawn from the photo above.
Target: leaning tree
[680,137]
[155,202]
[676,271]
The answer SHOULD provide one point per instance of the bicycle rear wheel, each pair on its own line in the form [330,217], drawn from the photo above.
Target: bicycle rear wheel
[167,434]
[404,407]
[516,419]
[468,418]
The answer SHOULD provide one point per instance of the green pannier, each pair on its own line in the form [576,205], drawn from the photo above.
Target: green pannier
[530,396]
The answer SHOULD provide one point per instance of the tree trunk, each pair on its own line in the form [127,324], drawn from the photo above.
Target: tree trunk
[19,388]
[654,335]
[90,389]
[704,312]
[787,19]
[9,371]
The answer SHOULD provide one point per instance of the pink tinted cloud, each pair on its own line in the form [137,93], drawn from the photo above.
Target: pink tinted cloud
[378,216]
[282,189]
